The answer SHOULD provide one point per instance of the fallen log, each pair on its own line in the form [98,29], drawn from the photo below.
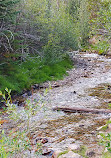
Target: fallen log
[82,110]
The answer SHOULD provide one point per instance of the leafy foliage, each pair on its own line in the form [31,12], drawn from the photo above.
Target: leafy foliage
[7,11]
[106,141]
[43,30]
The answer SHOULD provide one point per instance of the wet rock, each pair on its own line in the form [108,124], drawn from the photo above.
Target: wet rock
[74,147]
[74,92]
[70,154]
[47,152]
[91,154]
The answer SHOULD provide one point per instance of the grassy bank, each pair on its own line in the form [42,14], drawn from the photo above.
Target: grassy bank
[18,76]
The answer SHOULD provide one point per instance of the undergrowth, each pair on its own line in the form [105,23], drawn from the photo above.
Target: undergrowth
[18,141]
[18,76]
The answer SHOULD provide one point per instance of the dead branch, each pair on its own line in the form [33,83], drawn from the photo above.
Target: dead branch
[83,110]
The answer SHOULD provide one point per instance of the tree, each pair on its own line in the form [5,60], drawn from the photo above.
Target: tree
[7,18]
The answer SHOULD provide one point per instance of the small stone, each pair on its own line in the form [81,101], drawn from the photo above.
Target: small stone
[74,147]
[81,125]
[91,154]
[70,154]
[44,140]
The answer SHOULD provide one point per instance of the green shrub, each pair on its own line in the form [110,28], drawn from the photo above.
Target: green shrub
[102,47]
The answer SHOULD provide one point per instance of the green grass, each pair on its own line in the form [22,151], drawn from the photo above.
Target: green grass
[62,153]
[82,151]
[106,155]
[18,76]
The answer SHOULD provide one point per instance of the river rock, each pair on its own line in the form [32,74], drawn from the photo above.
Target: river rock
[74,147]
[70,154]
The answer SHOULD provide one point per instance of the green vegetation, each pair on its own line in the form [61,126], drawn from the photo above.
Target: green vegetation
[106,155]
[18,140]
[62,153]
[101,25]
[17,76]
[34,38]
[82,151]
[35,35]
[101,47]
[106,141]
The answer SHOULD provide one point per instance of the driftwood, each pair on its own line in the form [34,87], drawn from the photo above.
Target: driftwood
[83,110]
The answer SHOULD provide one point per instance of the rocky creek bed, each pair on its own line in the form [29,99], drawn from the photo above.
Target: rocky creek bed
[88,85]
